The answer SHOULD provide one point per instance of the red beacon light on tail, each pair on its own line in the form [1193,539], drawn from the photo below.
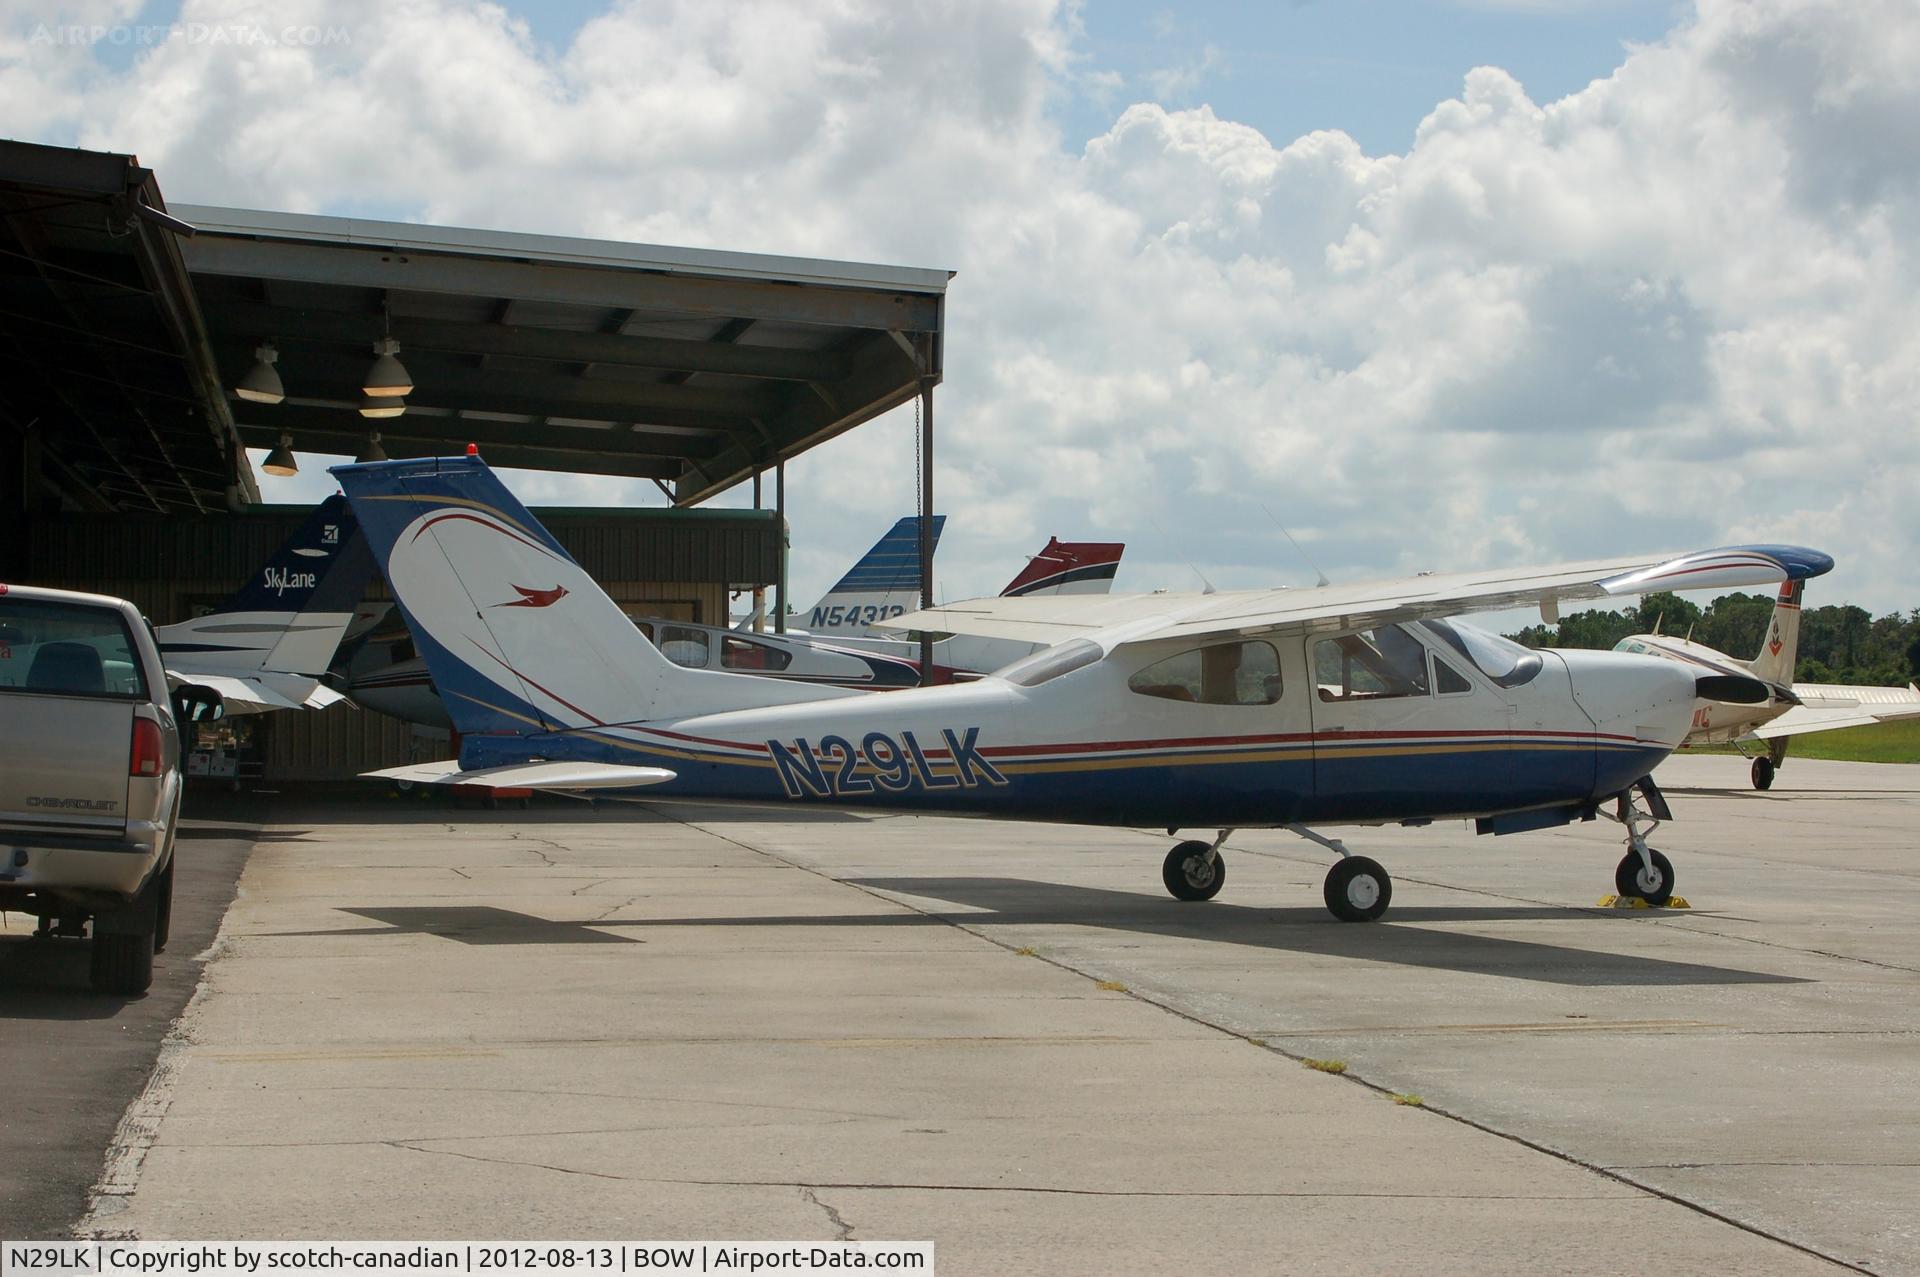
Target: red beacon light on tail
[473,450]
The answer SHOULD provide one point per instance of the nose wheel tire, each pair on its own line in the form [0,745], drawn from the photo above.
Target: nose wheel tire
[1763,773]
[1190,874]
[1357,889]
[1632,878]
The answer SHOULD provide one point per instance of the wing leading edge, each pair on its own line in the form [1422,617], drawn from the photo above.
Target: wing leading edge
[1144,617]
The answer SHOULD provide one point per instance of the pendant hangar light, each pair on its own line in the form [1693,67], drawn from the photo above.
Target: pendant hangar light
[371,449]
[280,461]
[262,382]
[387,381]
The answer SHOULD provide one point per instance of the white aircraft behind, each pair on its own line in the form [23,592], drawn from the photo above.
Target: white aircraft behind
[269,646]
[1792,709]
[1295,709]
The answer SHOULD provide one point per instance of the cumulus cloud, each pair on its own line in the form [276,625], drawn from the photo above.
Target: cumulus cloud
[1673,309]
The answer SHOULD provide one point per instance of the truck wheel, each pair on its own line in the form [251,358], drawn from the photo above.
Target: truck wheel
[122,962]
[163,911]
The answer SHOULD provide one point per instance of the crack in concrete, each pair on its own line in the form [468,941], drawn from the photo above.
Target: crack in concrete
[842,1230]
[810,1188]
[1715,1166]
[523,843]
[402,1146]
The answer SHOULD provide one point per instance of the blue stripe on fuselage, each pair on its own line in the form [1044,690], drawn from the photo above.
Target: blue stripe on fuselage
[1166,791]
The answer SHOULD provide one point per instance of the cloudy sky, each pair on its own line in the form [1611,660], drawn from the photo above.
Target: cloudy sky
[1433,283]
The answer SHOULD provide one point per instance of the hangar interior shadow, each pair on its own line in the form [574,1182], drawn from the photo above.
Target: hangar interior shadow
[1024,902]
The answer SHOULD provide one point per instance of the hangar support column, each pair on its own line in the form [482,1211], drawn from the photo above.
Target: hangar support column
[926,521]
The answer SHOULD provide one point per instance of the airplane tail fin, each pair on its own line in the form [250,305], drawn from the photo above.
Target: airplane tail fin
[1781,651]
[1068,567]
[885,582]
[290,617]
[517,637]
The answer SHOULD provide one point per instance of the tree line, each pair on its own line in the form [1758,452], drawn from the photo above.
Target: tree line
[1838,644]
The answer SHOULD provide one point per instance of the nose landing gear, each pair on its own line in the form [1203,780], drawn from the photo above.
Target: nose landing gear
[1643,872]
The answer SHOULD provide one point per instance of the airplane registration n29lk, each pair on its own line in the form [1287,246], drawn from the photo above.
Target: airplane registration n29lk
[1293,709]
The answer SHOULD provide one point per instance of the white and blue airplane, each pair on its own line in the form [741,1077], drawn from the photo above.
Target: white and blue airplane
[1283,708]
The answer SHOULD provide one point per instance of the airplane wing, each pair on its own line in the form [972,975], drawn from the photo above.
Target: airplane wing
[1142,617]
[1825,707]
[529,775]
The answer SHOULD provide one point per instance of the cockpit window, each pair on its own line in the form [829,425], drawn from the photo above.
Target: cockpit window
[1225,674]
[1370,665]
[1504,661]
[1050,662]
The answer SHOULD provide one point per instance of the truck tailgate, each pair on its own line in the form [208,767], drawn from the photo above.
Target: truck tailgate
[63,762]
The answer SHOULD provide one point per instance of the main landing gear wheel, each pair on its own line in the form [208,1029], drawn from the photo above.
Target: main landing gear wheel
[1632,878]
[1357,889]
[1192,874]
[1763,773]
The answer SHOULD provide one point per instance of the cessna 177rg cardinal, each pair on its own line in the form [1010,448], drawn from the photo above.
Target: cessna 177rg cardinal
[1269,708]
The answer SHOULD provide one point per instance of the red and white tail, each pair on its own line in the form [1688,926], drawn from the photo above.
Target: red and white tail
[1068,567]
[1781,650]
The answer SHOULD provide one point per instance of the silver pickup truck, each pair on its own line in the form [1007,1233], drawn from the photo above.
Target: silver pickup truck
[90,779]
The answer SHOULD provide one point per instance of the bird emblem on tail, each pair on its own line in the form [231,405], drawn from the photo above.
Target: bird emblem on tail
[536,598]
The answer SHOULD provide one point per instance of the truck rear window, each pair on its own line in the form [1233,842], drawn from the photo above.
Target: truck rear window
[69,649]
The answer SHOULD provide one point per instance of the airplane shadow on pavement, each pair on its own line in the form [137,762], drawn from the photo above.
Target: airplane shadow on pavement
[1019,902]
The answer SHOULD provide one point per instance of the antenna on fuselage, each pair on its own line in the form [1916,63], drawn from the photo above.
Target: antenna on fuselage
[1320,578]
[1183,557]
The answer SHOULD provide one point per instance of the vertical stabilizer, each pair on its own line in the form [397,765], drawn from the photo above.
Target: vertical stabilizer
[1068,567]
[1780,651]
[518,638]
[290,616]
[884,583]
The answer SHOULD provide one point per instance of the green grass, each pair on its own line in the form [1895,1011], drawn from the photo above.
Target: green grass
[1896,742]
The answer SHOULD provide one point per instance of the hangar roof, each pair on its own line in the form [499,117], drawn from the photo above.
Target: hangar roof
[105,371]
[128,331]
[688,366]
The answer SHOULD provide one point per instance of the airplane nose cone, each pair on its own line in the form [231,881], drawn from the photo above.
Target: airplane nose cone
[1636,699]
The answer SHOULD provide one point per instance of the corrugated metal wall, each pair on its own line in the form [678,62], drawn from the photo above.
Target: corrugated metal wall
[686,561]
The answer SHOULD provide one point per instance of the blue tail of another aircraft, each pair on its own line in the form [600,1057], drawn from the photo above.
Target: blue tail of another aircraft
[884,583]
[518,638]
[290,615]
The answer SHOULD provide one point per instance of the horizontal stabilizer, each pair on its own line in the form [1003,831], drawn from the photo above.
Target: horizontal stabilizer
[260,693]
[528,775]
[1825,707]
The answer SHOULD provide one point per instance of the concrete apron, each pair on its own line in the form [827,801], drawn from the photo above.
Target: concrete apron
[616,1023]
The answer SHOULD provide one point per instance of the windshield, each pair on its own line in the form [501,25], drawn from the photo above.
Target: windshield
[1050,662]
[1501,659]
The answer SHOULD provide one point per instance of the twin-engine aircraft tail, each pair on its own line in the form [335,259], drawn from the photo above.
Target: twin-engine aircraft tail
[518,638]
[1781,650]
